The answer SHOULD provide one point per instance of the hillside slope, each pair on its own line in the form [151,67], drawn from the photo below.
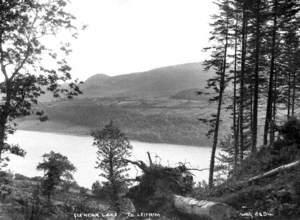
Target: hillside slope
[156,121]
[160,106]
[159,82]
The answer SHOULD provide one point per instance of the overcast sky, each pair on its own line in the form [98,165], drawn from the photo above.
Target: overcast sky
[126,36]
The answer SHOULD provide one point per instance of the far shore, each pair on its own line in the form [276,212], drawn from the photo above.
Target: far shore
[82,134]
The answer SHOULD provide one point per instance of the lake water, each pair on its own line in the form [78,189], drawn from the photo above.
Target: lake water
[82,154]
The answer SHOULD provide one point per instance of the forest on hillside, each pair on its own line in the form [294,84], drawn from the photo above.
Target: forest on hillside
[255,55]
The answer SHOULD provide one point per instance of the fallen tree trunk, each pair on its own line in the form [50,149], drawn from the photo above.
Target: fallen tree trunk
[203,209]
[274,171]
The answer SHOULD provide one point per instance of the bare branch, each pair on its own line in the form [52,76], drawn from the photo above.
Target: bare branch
[150,159]
[139,164]
[16,71]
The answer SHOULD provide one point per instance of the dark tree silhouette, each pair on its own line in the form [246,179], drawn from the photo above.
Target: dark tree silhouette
[220,62]
[24,59]
[262,69]
[113,150]
[57,168]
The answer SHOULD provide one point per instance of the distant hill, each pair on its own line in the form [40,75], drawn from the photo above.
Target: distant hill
[161,82]
[160,105]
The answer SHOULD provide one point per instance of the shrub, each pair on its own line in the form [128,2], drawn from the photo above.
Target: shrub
[290,131]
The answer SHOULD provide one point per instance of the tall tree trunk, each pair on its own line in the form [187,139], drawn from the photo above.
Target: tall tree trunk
[235,123]
[271,78]
[294,93]
[251,104]
[114,198]
[274,110]
[2,134]
[289,96]
[256,78]
[222,87]
[5,108]
[272,130]
[215,142]
[242,78]
[4,118]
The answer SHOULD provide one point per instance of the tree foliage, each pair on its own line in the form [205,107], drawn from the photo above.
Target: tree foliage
[28,67]
[262,71]
[276,194]
[57,168]
[219,62]
[113,150]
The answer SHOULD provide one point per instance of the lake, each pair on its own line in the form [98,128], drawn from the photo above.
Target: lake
[82,154]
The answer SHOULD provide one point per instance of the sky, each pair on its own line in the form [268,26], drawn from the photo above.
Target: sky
[125,36]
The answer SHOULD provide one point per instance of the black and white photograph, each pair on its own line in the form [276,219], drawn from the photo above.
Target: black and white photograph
[149,109]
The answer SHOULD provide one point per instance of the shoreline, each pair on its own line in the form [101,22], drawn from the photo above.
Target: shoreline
[74,134]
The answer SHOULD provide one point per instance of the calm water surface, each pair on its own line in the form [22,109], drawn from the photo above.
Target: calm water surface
[82,154]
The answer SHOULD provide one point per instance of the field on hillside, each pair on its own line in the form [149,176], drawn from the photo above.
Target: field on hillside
[158,120]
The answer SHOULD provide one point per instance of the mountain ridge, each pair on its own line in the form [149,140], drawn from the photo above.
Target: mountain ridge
[160,82]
